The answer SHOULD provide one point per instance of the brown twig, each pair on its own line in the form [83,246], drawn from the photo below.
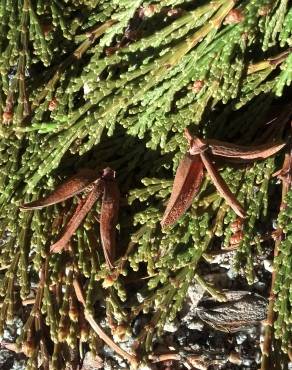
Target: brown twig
[13,347]
[28,302]
[165,357]
[211,255]
[98,330]
[222,187]
[285,175]
[272,62]
[193,360]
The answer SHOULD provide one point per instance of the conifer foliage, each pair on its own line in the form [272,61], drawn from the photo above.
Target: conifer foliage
[97,84]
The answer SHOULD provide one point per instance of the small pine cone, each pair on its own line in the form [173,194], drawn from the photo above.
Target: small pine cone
[147,11]
[28,348]
[234,16]
[236,238]
[7,117]
[264,10]
[110,50]
[236,225]
[46,28]
[53,104]
[173,12]
[84,333]
[108,281]
[63,333]
[120,331]
[197,86]
[74,313]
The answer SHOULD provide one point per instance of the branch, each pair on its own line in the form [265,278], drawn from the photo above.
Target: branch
[98,330]
[285,175]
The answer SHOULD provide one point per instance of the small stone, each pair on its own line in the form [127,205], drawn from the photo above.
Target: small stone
[195,293]
[147,11]
[234,358]
[247,362]
[145,367]
[274,224]
[198,362]
[92,362]
[260,286]
[268,265]
[140,297]
[171,327]
[196,325]
[240,338]
[108,365]
[120,333]
[258,357]
[173,12]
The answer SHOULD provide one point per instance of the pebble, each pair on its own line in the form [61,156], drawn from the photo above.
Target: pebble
[232,273]
[275,224]
[260,286]
[247,362]
[195,325]
[195,293]
[140,297]
[240,338]
[91,362]
[138,324]
[172,326]
[234,358]
[258,357]
[145,367]
[268,265]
